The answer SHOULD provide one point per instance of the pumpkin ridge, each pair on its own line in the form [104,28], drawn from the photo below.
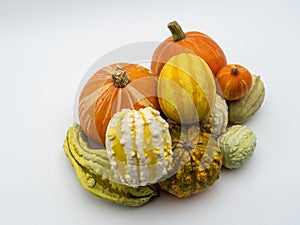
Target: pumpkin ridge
[86,103]
[156,64]
[227,90]
[212,46]
[139,97]
[100,115]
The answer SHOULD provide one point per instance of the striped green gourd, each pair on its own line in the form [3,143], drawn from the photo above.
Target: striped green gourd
[139,146]
[94,172]
[242,110]
[237,145]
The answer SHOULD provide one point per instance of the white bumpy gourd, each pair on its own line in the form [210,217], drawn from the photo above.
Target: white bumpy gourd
[139,146]
[218,120]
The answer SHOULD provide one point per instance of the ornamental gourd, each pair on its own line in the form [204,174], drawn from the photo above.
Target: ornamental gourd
[186,89]
[139,146]
[201,159]
[243,109]
[95,174]
[217,122]
[237,145]
[233,82]
[188,42]
[111,89]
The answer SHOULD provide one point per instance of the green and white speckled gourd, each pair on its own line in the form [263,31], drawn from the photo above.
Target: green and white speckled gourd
[139,146]
[237,145]
[243,109]
[217,122]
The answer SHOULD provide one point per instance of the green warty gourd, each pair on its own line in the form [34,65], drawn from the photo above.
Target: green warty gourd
[237,145]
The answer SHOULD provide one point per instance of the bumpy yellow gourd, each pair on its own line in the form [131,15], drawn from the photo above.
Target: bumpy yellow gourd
[139,146]
[196,157]
[186,89]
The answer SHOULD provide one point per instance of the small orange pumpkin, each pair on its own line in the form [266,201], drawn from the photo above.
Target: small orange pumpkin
[233,82]
[112,89]
[188,42]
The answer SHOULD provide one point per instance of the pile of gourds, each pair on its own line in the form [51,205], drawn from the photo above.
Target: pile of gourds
[171,127]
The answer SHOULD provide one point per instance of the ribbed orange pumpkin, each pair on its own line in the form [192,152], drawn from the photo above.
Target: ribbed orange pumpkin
[233,81]
[112,89]
[189,42]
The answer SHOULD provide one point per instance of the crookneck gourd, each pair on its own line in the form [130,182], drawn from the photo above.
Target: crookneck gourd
[94,172]
[198,158]
[139,146]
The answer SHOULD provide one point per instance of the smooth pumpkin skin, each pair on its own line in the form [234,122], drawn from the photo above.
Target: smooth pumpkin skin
[233,82]
[100,98]
[186,89]
[194,42]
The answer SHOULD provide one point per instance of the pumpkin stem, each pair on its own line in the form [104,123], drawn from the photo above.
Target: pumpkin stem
[235,70]
[176,31]
[120,78]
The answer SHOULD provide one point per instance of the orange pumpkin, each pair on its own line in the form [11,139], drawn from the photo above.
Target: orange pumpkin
[233,82]
[189,42]
[112,89]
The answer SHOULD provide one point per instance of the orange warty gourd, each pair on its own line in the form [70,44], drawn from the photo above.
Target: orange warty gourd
[233,82]
[112,89]
[189,42]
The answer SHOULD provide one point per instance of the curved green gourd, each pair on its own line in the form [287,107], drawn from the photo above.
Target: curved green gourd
[94,172]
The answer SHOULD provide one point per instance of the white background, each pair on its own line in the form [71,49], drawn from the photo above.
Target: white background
[46,47]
